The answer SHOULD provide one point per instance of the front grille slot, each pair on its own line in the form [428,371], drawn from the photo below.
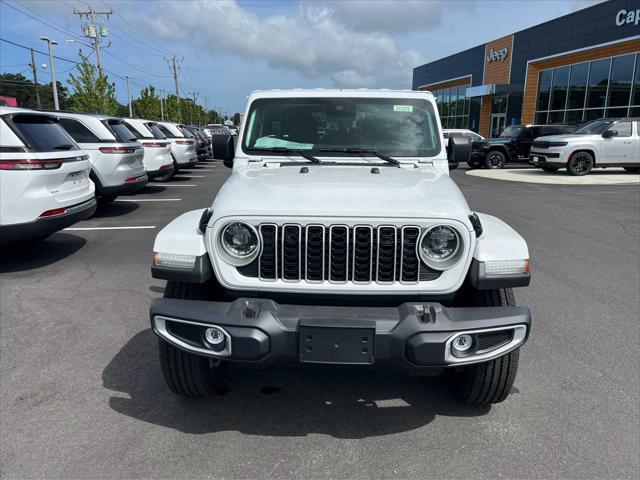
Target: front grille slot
[338,253]
[493,340]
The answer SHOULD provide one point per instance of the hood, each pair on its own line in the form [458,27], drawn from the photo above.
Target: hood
[341,191]
[499,140]
[567,137]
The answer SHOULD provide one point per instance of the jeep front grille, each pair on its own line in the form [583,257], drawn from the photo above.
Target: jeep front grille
[360,254]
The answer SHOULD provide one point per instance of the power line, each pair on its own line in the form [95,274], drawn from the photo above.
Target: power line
[141,69]
[50,25]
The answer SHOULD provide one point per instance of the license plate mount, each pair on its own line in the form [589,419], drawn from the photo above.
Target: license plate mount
[351,344]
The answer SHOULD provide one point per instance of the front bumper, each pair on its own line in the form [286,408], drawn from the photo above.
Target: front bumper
[45,226]
[416,335]
[540,159]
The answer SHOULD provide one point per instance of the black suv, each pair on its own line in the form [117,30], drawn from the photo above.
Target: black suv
[512,145]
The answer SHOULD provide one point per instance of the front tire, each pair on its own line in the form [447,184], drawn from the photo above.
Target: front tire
[580,163]
[186,374]
[489,382]
[495,159]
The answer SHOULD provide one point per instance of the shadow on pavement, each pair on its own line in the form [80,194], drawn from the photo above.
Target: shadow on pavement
[281,401]
[184,177]
[115,209]
[23,256]
[150,189]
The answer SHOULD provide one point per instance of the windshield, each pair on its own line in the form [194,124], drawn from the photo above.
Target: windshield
[393,126]
[596,127]
[511,132]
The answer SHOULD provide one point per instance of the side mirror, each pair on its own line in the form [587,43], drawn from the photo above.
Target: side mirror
[223,149]
[609,133]
[458,151]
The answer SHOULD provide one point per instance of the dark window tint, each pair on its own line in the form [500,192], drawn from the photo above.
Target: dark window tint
[120,130]
[544,87]
[623,129]
[559,88]
[616,112]
[598,83]
[541,117]
[578,85]
[134,130]
[186,132]
[574,116]
[43,134]
[155,130]
[166,132]
[620,83]
[78,131]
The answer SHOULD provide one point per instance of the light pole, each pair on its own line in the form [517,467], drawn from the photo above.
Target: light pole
[51,42]
[129,96]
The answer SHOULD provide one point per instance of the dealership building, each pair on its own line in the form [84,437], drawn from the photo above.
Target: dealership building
[575,68]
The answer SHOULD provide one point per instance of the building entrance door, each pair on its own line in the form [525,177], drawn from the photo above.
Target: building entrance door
[498,122]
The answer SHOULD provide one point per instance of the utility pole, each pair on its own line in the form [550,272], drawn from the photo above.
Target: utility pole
[53,71]
[94,31]
[195,105]
[174,64]
[162,104]
[206,110]
[34,68]
[129,96]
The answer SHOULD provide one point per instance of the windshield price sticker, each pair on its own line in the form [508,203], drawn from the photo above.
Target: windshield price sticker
[403,108]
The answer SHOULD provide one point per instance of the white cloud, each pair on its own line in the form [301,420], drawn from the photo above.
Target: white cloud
[317,40]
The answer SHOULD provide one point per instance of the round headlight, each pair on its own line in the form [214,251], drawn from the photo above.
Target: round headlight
[239,240]
[439,247]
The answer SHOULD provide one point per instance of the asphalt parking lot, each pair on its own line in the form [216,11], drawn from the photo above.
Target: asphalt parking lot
[81,392]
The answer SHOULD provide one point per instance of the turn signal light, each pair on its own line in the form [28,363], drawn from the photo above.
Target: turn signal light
[171,260]
[506,267]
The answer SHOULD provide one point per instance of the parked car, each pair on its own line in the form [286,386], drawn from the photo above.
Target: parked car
[183,149]
[44,177]
[207,133]
[609,142]
[114,153]
[202,148]
[157,149]
[513,145]
[477,141]
[289,261]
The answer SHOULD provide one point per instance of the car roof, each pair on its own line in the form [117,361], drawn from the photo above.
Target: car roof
[4,110]
[344,93]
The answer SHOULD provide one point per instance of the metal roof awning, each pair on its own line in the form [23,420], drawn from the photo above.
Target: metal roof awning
[482,90]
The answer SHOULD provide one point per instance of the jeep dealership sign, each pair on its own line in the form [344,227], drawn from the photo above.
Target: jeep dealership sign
[497,55]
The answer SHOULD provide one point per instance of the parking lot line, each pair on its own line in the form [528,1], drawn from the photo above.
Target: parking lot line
[189,176]
[150,200]
[179,185]
[142,227]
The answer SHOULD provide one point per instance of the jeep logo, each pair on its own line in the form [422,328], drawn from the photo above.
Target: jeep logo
[497,55]
[628,17]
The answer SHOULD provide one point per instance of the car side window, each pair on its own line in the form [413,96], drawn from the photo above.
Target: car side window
[78,131]
[623,129]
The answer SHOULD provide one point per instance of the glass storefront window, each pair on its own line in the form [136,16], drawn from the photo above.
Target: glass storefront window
[578,85]
[559,88]
[598,83]
[580,92]
[453,107]
[620,82]
[544,87]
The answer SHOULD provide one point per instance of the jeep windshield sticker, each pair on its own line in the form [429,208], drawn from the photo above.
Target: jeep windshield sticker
[403,108]
[271,142]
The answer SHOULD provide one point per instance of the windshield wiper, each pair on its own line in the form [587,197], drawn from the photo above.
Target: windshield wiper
[291,151]
[363,152]
[65,146]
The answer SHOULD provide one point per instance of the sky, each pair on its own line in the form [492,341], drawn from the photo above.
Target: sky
[227,48]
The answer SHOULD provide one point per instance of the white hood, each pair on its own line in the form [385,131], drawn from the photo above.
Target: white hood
[341,191]
[568,137]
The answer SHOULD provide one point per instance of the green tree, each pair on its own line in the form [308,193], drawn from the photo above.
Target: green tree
[24,91]
[147,105]
[92,90]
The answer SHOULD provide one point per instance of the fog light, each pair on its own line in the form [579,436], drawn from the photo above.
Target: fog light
[462,343]
[215,339]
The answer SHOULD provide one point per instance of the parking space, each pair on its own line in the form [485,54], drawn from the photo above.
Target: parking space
[82,391]
[609,176]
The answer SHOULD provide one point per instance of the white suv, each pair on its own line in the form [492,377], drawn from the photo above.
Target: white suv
[157,149]
[609,142]
[183,149]
[340,238]
[114,153]
[44,177]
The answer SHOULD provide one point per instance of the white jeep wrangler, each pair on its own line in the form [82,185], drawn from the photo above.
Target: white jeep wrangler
[340,238]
